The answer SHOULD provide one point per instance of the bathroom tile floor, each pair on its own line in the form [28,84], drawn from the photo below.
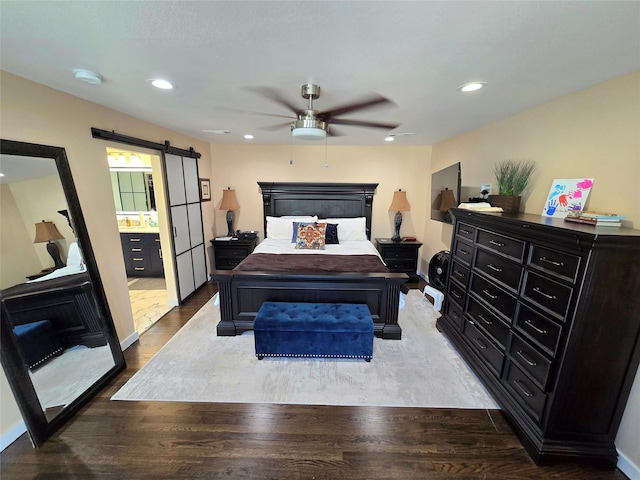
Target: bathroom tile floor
[148,301]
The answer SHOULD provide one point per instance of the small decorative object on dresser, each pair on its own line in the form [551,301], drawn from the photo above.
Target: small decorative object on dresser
[567,195]
[400,257]
[513,177]
[547,314]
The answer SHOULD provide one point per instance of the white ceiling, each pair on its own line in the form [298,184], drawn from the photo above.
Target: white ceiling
[416,53]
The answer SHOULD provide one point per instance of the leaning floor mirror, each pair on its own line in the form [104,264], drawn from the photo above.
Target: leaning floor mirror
[59,344]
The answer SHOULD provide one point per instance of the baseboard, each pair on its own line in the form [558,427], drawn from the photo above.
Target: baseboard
[627,467]
[12,435]
[130,340]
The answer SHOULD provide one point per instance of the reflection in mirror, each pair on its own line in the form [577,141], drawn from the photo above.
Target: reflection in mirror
[58,339]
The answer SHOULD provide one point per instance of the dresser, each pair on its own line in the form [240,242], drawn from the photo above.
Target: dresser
[400,257]
[229,253]
[142,254]
[547,314]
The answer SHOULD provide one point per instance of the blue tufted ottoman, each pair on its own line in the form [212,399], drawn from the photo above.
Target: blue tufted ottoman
[37,342]
[338,330]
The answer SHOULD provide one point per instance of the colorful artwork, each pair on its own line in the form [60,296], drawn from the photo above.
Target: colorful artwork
[567,195]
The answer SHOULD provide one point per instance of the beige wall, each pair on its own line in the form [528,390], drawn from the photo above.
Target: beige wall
[30,112]
[241,167]
[594,133]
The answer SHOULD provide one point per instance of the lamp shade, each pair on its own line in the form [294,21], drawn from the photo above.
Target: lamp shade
[399,202]
[229,200]
[46,231]
[447,200]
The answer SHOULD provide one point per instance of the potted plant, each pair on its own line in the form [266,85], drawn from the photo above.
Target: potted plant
[513,177]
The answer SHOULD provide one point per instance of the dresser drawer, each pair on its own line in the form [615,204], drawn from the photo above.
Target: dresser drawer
[466,231]
[460,273]
[399,253]
[562,265]
[463,252]
[548,294]
[494,296]
[509,247]
[531,360]
[525,391]
[400,265]
[454,312]
[543,331]
[504,271]
[484,347]
[457,294]
[489,322]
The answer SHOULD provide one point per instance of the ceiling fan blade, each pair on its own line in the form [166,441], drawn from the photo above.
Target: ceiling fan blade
[362,123]
[275,127]
[273,95]
[332,132]
[249,112]
[369,102]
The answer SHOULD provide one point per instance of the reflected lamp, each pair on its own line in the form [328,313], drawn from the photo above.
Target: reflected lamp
[48,232]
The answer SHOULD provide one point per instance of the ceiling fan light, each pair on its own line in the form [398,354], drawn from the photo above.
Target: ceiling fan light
[308,133]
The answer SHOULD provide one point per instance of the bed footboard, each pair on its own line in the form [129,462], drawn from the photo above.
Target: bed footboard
[242,294]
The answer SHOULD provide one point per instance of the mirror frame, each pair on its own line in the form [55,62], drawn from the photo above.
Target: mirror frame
[38,426]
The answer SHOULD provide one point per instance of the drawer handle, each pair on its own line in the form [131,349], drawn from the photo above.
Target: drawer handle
[157,240]
[456,294]
[539,330]
[486,292]
[550,297]
[458,273]
[455,315]
[530,362]
[481,317]
[136,249]
[135,240]
[160,252]
[466,232]
[497,244]
[527,393]
[138,259]
[139,268]
[495,269]
[479,343]
[463,252]
[552,262]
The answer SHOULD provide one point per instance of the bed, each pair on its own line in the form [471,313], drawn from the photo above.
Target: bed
[364,277]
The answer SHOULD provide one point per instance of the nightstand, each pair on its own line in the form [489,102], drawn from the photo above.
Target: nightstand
[400,257]
[229,253]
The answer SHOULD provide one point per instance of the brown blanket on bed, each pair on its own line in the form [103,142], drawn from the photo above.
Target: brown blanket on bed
[313,262]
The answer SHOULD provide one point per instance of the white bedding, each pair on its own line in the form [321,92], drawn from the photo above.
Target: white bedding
[348,247]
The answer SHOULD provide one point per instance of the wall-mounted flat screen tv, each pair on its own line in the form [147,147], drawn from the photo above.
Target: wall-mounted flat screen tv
[445,192]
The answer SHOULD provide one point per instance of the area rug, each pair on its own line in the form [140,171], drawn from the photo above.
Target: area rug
[421,370]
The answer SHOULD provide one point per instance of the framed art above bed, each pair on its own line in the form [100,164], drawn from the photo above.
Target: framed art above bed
[242,291]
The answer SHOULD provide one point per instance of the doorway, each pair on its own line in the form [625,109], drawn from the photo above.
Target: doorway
[136,177]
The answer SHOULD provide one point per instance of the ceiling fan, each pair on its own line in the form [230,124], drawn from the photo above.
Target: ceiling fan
[311,124]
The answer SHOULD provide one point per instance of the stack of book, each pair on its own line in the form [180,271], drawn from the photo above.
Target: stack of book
[597,219]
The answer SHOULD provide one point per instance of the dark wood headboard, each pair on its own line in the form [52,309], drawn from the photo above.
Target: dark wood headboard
[326,200]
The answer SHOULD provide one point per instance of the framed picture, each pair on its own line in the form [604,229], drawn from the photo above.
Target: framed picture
[205,190]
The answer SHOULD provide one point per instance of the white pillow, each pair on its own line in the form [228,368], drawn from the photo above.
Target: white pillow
[281,228]
[350,228]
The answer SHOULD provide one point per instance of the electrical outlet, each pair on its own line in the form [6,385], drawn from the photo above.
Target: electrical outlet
[486,186]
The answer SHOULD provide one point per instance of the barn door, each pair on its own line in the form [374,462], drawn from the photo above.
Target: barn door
[185,217]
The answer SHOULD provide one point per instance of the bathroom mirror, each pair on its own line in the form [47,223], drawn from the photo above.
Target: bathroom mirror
[59,344]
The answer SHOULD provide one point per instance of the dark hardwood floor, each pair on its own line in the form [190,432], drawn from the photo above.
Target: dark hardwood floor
[161,440]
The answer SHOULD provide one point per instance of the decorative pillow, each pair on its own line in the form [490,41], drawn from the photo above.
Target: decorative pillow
[350,228]
[281,228]
[331,234]
[311,236]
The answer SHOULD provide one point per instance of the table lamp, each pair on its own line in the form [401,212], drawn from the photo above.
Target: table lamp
[47,232]
[229,203]
[399,204]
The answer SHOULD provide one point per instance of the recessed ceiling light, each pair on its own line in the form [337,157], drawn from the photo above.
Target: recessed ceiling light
[87,76]
[390,138]
[163,84]
[471,87]
[248,136]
